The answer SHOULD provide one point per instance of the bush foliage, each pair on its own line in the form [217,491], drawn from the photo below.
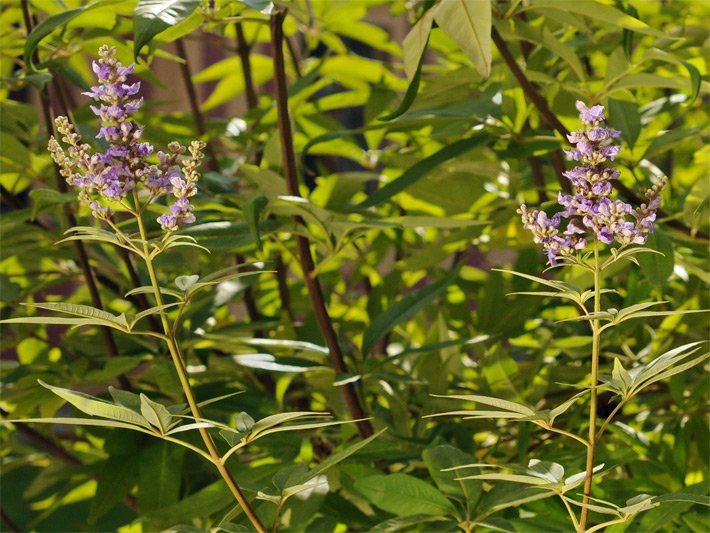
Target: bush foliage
[356,268]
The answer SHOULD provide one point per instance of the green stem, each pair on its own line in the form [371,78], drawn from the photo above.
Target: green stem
[573,517]
[593,398]
[609,419]
[185,381]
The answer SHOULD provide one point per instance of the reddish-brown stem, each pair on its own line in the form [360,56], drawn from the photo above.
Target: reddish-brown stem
[315,290]
[212,162]
[243,49]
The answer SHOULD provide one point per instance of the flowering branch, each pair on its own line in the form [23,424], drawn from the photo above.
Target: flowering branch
[123,175]
[554,123]
[592,214]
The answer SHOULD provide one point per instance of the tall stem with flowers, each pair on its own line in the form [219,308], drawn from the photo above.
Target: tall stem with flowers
[591,211]
[592,232]
[123,177]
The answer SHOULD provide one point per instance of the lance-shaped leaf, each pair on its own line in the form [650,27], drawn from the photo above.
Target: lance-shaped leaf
[683,497]
[221,276]
[666,365]
[403,310]
[148,289]
[557,285]
[647,314]
[560,409]
[468,23]
[97,407]
[157,414]
[335,458]
[150,311]
[154,16]
[518,410]
[90,233]
[92,314]
[69,421]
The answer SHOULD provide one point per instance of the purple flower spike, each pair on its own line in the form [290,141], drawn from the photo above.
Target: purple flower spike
[110,176]
[590,208]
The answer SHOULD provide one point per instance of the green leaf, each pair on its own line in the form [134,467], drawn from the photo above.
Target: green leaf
[403,310]
[266,361]
[409,96]
[48,25]
[45,198]
[126,398]
[335,458]
[117,477]
[204,502]
[97,407]
[403,495]
[70,421]
[683,497]
[155,413]
[624,116]
[415,43]
[468,23]
[665,360]
[494,402]
[252,210]
[244,422]
[423,167]
[443,457]
[558,285]
[154,16]
[513,478]
[99,316]
[159,475]
[185,282]
[281,418]
[621,377]
[597,11]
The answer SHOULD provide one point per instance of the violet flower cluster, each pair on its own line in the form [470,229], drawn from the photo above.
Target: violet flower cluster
[590,210]
[110,176]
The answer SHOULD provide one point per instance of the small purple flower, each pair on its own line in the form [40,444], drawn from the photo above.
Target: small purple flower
[590,208]
[113,174]
[590,116]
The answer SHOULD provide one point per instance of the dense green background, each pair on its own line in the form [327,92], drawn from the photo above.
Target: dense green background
[412,177]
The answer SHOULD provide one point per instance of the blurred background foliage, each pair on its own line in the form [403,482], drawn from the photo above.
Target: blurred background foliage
[416,137]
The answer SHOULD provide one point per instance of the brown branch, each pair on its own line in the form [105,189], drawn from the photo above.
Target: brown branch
[315,290]
[212,162]
[9,522]
[243,49]
[79,248]
[551,121]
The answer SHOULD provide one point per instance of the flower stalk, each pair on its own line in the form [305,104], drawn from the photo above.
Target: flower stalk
[591,450]
[592,216]
[123,176]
